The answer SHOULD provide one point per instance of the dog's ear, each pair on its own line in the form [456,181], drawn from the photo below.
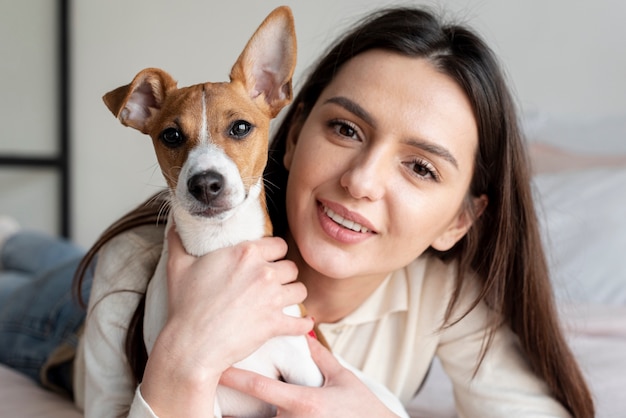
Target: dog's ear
[136,104]
[266,65]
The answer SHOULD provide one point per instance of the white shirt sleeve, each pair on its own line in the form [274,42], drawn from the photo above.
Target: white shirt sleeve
[124,267]
[140,408]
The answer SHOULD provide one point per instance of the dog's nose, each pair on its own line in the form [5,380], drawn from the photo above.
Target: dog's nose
[206,186]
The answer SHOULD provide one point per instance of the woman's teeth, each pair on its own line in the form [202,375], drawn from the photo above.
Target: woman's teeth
[344,222]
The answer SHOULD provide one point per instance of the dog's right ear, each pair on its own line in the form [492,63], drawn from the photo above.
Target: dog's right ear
[266,65]
[136,104]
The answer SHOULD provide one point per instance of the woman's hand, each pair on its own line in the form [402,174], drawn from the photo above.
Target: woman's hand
[221,307]
[233,298]
[342,395]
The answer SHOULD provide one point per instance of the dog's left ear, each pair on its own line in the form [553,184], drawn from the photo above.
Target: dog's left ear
[266,65]
[136,104]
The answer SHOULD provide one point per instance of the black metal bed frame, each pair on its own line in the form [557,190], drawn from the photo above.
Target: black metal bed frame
[60,162]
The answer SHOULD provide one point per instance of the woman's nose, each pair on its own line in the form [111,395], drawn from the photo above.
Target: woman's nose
[366,176]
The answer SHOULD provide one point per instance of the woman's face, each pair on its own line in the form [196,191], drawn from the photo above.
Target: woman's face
[379,170]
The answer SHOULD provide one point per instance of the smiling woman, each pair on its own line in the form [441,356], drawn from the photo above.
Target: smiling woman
[379,168]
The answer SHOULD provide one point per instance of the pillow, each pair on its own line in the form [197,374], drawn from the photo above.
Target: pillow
[583,220]
[594,135]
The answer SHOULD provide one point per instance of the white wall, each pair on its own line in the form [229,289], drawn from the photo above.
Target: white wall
[563,56]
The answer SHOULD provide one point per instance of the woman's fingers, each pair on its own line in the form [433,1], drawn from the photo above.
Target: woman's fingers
[275,392]
[325,360]
[242,290]
[272,248]
[342,394]
[175,245]
[284,395]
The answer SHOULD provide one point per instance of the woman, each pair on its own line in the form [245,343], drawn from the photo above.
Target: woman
[402,175]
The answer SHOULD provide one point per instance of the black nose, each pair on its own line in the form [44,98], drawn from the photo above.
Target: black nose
[206,186]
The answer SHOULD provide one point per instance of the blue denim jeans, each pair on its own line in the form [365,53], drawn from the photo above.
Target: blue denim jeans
[38,313]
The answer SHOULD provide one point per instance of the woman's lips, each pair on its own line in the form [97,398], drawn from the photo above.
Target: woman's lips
[356,227]
[343,225]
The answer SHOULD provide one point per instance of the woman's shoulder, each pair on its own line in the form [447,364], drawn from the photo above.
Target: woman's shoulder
[127,261]
[141,238]
[433,282]
[430,273]
[440,284]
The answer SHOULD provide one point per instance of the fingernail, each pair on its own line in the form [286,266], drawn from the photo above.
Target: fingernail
[312,332]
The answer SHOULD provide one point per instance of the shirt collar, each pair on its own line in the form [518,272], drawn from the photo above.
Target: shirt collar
[391,296]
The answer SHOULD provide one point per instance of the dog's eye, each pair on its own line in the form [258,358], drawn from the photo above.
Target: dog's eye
[240,129]
[172,137]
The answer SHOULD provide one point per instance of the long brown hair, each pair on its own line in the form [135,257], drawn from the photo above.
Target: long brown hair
[503,247]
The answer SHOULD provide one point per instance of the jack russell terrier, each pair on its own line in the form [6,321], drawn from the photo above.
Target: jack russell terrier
[211,142]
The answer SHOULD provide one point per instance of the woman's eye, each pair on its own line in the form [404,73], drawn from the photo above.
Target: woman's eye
[424,170]
[240,129]
[344,129]
[172,137]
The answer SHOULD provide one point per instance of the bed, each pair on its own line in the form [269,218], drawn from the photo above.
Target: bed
[580,186]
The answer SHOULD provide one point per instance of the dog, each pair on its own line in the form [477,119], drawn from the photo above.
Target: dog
[211,142]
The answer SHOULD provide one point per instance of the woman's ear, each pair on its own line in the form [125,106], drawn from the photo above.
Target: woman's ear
[461,223]
[292,137]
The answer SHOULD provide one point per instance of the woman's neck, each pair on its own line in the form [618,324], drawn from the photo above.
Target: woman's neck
[329,299]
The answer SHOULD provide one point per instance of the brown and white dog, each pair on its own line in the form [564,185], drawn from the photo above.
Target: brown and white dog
[211,142]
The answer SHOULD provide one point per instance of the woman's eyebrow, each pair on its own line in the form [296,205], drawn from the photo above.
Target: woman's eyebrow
[435,149]
[352,107]
[427,146]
